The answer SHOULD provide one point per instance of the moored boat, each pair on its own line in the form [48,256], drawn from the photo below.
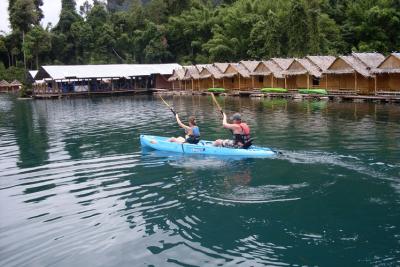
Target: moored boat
[203,147]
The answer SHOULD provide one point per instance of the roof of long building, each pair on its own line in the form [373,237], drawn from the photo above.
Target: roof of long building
[58,72]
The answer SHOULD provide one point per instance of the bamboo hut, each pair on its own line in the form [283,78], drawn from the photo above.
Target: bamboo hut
[15,86]
[191,78]
[387,75]
[237,77]
[177,78]
[251,66]
[351,74]
[4,86]
[323,63]
[268,74]
[211,77]
[302,73]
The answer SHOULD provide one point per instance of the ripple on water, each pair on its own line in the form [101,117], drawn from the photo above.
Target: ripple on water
[80,191]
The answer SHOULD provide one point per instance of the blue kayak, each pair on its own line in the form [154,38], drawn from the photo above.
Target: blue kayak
[203,147]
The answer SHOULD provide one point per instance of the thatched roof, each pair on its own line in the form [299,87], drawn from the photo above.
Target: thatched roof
[4,83]
[391,64]
[241,70]
[371,60]
[250,65]
[283,63]
[210,71]
[177,74]
[271,68]
[302,66]
[16,83]
[191,73]
[200,67]
[322,62]
[353,65]
[221,66]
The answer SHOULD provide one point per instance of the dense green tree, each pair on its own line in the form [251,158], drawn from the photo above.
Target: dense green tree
[265,38]
[297,29]
[198,31]
[37,43]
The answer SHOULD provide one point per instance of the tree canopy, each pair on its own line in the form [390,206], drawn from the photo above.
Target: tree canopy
[198,31]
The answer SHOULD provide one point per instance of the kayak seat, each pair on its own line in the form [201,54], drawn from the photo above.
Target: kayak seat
[248,143]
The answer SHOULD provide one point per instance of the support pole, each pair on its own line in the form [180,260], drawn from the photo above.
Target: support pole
[355,81]
[213,82]
[308,81]
[285,82]
[326,81]
[239,81]
[192,85]
[375,78]
[272,81]
[252,81]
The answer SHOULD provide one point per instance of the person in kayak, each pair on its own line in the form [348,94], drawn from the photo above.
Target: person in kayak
[192,132]
[240,133]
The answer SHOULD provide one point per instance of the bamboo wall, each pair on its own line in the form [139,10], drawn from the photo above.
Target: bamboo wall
[388,82]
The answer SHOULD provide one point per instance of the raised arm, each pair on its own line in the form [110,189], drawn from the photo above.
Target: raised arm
[180,123]
[227,125]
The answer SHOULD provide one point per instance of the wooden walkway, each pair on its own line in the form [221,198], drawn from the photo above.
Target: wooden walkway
[93,93]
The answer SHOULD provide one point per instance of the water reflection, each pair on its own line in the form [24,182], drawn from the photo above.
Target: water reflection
[87,189]
[31,134]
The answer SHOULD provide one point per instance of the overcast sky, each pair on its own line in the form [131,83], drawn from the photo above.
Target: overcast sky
[51,10]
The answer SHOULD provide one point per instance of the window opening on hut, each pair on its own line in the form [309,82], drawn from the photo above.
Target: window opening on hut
[316,81]
[260,79]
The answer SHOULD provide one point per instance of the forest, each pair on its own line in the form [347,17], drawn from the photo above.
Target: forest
[195,31]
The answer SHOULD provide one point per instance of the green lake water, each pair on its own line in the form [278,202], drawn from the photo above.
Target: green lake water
[77,190]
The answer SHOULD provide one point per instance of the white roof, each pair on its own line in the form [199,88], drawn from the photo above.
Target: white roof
[106,71]
[33,73]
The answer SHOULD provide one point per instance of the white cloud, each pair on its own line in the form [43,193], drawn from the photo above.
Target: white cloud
[51,10]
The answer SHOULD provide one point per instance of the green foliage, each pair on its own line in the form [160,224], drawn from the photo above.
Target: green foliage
[12,73]
[37,43]
[199,31]
[274,90]
[216,90]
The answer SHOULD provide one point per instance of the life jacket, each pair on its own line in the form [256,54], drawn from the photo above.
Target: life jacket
[193,138]
[244,137]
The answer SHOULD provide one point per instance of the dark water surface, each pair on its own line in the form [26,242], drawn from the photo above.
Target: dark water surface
[76,189]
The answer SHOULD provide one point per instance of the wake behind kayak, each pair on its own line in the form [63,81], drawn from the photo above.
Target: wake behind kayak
[203,147]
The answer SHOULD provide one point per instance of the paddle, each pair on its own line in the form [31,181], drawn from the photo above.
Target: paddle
[216,102]
[171,108]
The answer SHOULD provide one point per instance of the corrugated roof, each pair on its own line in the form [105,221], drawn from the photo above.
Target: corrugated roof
[104,71]
[283,63]
[322,62]
[371,60]
[250,65]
